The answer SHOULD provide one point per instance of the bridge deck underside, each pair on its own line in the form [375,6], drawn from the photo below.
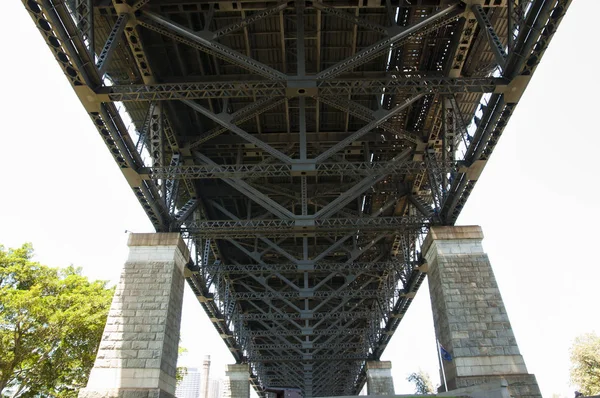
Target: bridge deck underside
[304,148]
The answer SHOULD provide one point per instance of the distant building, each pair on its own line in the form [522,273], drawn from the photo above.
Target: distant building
[190,385]
[214,388]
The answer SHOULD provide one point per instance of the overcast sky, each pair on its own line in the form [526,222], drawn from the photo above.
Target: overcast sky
[537,199]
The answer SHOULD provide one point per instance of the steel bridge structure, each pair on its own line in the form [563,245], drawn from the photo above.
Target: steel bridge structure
[303,147]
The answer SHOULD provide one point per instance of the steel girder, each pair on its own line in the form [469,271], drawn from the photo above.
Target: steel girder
[248,171]
[219,229]
[293,267]
[535,33]
[246,87]
[305,298]
[66,42]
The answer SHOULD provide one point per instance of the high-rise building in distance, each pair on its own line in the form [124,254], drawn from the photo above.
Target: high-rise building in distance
[189,387]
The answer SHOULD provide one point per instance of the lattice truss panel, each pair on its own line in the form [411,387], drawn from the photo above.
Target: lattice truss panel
[303,147]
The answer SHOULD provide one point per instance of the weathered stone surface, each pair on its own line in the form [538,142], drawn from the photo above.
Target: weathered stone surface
[522,386]
[379,378]
[237,381]
[137,356]
[469,315]
[125,393]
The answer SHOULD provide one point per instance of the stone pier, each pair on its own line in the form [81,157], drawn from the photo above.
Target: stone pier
[469,315]
[379,378]
[137,357]
[237,381]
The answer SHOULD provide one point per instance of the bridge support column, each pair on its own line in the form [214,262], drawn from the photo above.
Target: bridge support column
[379,378]
[237,381]
[469,315]
[137,357]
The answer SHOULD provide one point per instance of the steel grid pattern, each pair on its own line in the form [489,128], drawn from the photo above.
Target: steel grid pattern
[303,148]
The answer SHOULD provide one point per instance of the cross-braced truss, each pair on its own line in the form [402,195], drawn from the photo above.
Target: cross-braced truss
[303,148]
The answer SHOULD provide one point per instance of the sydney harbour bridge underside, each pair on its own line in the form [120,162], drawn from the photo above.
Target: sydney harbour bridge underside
[302,148]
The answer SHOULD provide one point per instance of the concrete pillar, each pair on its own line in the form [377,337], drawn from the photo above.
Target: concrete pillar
[237,381]
[137,357]
[469,315]
[379,378]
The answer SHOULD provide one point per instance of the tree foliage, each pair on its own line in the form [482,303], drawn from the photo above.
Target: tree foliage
[585,361]
[422,381]
[51,322]
[181,370]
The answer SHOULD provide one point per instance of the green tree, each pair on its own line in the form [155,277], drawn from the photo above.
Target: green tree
[422,381]
[585,361]
[181,370]
[51,322]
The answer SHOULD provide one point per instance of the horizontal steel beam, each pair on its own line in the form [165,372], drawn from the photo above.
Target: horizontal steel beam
[257,16]
[309,358]
[332,346]
[309,332]
[315,295]
[314,315]
[219,229]
[293,267]
[245,171]
[250,88]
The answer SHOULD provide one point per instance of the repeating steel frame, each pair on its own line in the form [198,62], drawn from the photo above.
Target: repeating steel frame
[306,241]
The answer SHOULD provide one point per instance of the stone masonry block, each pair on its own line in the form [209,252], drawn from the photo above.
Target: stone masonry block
[379,378]
[138,353]
[469,315]
[125,393]
[237,381]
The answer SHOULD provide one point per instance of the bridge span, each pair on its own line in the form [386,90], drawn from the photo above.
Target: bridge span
[303,163]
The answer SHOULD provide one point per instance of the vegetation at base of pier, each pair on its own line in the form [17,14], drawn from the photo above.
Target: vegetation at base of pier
[585,360]
[422,381]
[51,322]
[181,370]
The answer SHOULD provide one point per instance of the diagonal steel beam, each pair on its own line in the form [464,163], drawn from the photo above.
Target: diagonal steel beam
[269,242]
[253,110]
[245,22]
[440,18]
[204,40]
[269,291]
[366,114]
[350,17]
[345,198]
[172,186]
[225,121]
[281,314]
[184,213]
[380,118]
[493,40]
[254,194]
[345,295]
[114,37]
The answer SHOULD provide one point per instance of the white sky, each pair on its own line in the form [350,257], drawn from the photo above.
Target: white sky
[536,201]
